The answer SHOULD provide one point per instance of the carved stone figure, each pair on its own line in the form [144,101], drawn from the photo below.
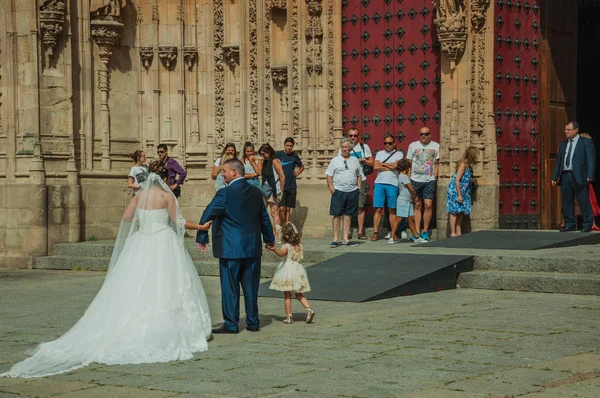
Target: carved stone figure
[106,9]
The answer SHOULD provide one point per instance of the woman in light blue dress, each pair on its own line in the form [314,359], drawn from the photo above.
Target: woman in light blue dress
[458,202]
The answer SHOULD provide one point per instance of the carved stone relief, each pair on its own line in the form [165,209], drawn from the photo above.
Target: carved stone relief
[267,81]
[168,56]
[331,109]
[105,34]
[478,88]
[314,35]
[219,74]
[52,17]
[276,3]
[451,28]
[146,56]
[295,87]
[253,39]
[190,55]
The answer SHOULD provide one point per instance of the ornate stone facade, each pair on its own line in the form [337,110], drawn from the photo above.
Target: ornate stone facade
[95,80]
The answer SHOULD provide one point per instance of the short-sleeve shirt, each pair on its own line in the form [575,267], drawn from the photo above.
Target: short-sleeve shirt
[404,195]
[357,152]
[423,159]
[139,174]
[389,177]
[344,173]
[289,163]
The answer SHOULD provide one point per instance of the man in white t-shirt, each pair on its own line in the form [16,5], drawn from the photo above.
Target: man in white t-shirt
[425,156]
[386,183]
[363,154]
[344,179]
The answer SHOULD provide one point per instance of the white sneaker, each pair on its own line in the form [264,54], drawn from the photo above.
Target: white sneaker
[391,241]
[421,240]
[389,235]
[403,235]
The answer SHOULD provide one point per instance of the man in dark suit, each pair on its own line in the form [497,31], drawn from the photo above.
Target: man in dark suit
[574,170]
[239,216]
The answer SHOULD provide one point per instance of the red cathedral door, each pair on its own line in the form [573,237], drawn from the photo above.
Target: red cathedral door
[517,110]
[391,70]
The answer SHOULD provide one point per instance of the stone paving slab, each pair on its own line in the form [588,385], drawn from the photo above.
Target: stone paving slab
[459,343]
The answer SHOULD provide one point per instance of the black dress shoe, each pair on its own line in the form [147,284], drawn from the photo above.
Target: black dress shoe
[252,330]
[587,229]
[569,229]
[224,330]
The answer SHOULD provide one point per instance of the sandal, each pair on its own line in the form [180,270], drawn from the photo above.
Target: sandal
[375,236]
[361,236]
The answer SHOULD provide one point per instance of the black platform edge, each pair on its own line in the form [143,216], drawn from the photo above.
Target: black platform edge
[516,240]
[417,273]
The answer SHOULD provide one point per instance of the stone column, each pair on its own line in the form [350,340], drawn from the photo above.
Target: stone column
[105,34]
[466,106]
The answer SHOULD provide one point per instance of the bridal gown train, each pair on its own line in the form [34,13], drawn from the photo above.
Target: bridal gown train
[151,308]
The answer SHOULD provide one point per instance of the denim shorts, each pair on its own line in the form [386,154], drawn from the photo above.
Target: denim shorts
[385,193]
[404,209]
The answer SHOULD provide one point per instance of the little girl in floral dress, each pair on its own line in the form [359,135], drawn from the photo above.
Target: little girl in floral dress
[290,276]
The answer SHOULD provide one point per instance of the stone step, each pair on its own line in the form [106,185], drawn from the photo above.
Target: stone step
[205,268]
[541,282]
[567,265]
[104,249]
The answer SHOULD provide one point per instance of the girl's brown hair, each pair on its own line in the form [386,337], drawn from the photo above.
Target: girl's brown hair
[136,155]
[469,157]
[289,234]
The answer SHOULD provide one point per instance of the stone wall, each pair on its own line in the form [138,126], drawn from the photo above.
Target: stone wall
[84,83]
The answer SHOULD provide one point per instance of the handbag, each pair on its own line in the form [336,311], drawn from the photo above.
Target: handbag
[266,190]
[367,170]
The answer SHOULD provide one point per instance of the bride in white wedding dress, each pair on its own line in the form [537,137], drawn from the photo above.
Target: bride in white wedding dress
[151,307]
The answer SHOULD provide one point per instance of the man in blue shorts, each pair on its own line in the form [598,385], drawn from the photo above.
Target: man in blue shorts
[386,183]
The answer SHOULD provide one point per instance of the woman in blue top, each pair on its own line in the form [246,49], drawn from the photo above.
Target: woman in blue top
[458,202]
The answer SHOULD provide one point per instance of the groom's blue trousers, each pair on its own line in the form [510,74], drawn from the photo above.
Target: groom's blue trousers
[235,272]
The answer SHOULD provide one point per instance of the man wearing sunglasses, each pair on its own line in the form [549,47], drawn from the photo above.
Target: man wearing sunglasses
[425,156]
[386,183]
[174,169]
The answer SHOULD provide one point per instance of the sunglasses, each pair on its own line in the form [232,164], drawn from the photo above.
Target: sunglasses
[159,152]
[389,143]
[425,134]
[352,135]
[346,164]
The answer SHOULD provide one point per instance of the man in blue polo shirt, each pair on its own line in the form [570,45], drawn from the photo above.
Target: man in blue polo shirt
[292,167]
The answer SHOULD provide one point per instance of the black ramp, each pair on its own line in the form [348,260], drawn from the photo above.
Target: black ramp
[517,240]
[361,277]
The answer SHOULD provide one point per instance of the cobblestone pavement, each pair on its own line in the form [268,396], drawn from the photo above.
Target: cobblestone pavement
[461,343]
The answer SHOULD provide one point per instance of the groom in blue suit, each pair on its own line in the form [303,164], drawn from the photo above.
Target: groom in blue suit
[574,170]
[239,217]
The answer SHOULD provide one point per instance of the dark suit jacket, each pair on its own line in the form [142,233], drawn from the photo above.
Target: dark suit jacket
[583,161]
[239,217]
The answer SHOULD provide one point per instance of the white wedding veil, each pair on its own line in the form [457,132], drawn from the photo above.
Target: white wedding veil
[153,195]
